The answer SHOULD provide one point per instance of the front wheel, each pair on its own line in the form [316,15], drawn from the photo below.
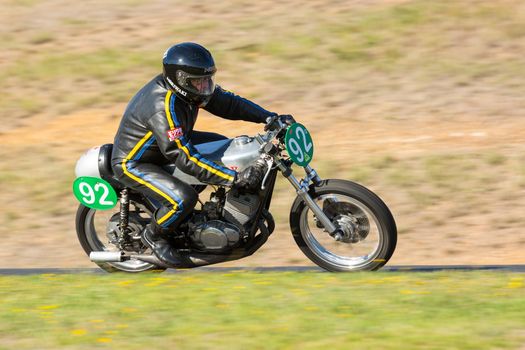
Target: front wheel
[370,232]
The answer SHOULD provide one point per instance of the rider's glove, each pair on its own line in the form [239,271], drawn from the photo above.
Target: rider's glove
[250,178]
[287,119]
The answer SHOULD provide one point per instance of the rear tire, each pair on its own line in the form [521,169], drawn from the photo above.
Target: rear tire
[370,204]
[88,238]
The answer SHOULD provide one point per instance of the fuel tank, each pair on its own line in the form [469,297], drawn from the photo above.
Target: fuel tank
[236,154]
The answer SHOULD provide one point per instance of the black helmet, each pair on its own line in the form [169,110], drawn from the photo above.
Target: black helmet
[188,70]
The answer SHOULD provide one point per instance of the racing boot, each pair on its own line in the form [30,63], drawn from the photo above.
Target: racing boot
[155,237]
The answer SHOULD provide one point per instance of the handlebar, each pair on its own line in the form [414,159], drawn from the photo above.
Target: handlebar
[273,123]
[275,129]
[279,123]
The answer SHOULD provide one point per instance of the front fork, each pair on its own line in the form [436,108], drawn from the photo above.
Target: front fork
[302,187]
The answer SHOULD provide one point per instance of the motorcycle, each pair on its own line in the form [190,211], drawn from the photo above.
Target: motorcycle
[338,224]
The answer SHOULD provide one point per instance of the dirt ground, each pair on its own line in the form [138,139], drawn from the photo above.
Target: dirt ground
[54,244]
[422,102]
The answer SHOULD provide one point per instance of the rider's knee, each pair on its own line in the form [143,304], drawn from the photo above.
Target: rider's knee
[189,198]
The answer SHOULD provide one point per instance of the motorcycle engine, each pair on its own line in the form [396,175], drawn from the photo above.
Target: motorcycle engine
[223,220]
[215,236]
[240,208]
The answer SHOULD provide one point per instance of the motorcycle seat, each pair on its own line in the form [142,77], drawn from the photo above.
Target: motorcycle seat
[104,161]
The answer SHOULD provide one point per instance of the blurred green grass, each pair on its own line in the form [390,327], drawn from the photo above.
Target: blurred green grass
[240,310]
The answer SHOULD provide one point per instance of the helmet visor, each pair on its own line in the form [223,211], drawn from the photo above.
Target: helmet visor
[197,84]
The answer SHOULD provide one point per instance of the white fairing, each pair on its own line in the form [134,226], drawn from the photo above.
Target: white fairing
[238,155]
[87,165]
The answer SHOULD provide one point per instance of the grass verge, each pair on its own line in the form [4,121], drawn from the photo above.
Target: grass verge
[460,310]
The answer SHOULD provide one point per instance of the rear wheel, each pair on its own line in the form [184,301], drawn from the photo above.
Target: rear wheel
[370,232]
[97,230]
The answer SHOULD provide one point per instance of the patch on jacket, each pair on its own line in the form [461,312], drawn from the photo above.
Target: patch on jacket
[175,134]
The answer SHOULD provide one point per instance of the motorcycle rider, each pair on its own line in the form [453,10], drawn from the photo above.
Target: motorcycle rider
[157,128]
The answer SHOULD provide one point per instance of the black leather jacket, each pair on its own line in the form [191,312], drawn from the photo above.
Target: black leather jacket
[157,126]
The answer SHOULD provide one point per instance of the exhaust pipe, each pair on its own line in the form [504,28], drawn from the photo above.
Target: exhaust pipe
[186,260]
[106,256]
[102,257]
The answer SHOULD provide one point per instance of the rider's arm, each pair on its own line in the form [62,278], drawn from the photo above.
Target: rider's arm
[175,146]
[226,104]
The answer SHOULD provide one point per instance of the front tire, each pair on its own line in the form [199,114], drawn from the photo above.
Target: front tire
[364,213]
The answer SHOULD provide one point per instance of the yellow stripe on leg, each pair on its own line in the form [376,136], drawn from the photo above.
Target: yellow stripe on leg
[139,180]
[139,144]
[147,184]
[167,216]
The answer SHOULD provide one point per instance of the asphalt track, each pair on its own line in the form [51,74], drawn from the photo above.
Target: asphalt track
[400,268]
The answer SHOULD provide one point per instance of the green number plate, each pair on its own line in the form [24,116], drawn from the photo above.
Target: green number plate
[299,144]
[94,193]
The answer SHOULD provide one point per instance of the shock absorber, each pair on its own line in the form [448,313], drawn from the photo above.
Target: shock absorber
[124,214]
